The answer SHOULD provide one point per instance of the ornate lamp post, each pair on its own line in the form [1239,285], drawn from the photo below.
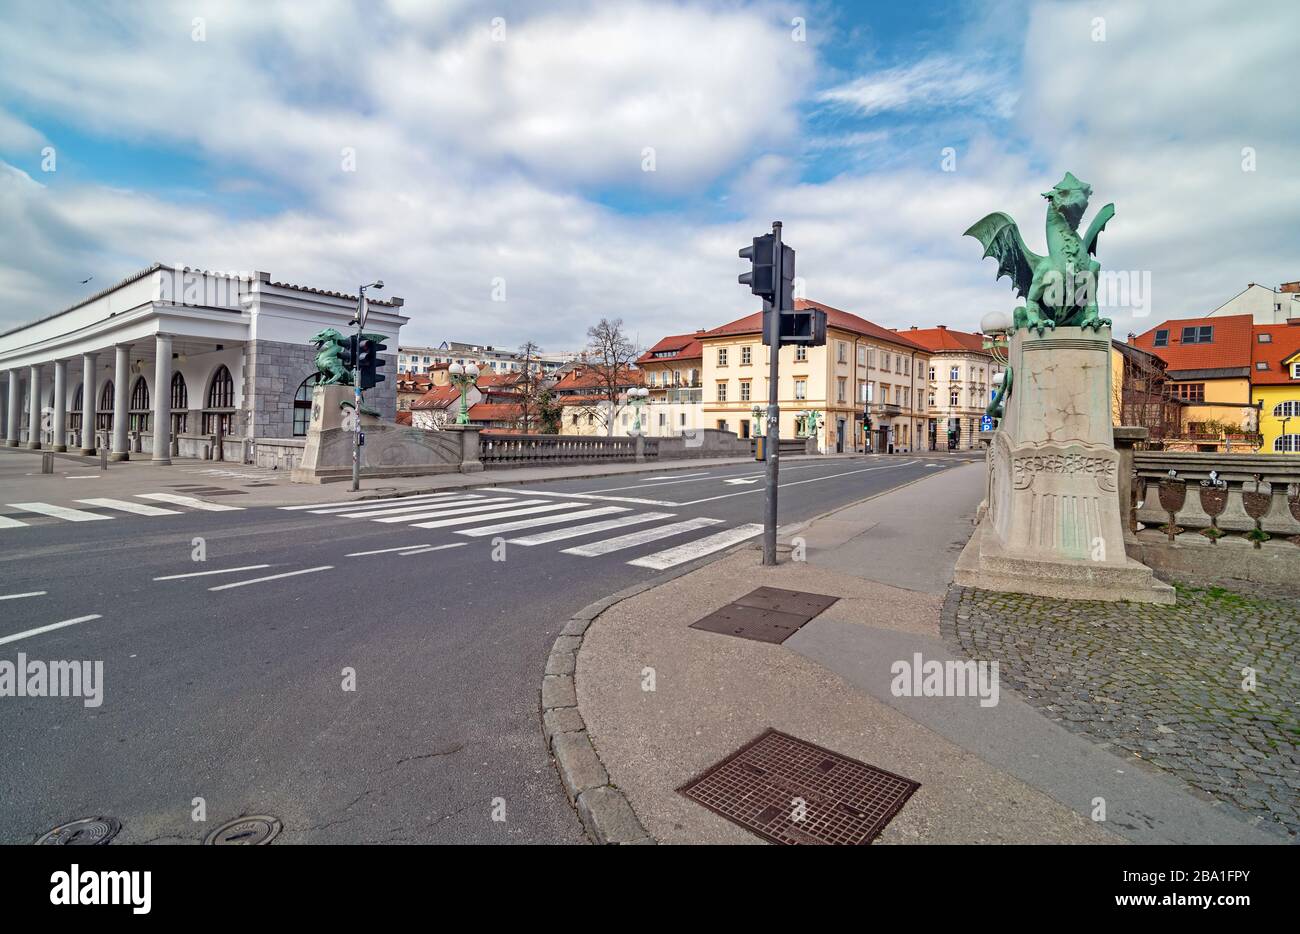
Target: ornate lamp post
[756,419]
[636,397]
[463,377]
[812,422]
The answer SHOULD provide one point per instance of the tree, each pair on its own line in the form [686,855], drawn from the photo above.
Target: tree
[529,387]
[549,412]
[612,355]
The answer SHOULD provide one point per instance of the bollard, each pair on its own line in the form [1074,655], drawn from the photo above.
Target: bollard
[47,463]
[103,457]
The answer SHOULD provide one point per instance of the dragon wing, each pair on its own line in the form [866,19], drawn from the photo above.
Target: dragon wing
[1001,239]
[1097,226]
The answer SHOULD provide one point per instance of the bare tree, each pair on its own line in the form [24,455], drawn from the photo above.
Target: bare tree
[529,386]
[612,355]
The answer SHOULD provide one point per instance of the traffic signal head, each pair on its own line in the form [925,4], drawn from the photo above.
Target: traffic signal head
[368,360]
[762,273]
[805,326]
[348,353]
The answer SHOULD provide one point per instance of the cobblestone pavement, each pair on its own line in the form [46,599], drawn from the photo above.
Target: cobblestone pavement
[1164,683]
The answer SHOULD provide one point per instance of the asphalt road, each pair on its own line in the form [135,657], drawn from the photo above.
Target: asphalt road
[236,695]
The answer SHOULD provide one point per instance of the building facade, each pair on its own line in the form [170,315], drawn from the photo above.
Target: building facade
[1264,305]
[422,360]
[961,380]
[174,361]
[673,375]
[867,384]
[1275,385]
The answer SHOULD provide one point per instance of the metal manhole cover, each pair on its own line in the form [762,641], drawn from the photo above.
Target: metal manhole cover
[787,601]
[790,791]
[88,831]
[255,830]
[750,622]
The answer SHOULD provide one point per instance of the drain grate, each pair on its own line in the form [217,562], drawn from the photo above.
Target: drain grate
[790,791]
[88,831]
[255,830]
[768,614]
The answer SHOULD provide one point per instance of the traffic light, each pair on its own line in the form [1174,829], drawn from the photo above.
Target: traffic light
[348,353]
[806,326]
[368,361]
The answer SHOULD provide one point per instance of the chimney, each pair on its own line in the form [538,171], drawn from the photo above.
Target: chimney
[942,327]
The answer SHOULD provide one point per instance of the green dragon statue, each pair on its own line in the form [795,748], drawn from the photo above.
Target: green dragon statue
[1061,287]
[329,357]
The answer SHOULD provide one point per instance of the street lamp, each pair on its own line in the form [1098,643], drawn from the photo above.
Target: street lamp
[756,417]
[360,322]
[636,397]
[812,422]
[462,378]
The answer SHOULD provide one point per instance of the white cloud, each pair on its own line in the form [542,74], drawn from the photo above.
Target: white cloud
[934,81]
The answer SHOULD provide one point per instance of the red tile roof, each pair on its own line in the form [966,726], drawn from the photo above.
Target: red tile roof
[674,348]
[403,418]
[1284,345]
[495,412]
[591,376]
[1230,348]
[943,338]
[438,397]
[488,378]
[835,318]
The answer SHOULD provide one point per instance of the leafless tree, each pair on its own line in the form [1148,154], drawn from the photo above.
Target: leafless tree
[530,386]
[612,355]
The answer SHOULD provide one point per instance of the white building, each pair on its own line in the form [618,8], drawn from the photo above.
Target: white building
[962,381]
[484,356]
[225,361]
[1264,305]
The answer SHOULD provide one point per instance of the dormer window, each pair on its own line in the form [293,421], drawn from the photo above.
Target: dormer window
[1202,334]
[1162,338]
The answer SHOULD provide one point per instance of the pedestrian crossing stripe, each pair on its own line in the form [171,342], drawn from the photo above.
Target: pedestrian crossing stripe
[591,528]
[433,512]
[139,509]
[425,507]
[632,539]
[671,557]
[189,501]
[540,520]
[504,514]
[59,512]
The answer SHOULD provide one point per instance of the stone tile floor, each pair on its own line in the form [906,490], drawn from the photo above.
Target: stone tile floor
[1163,683]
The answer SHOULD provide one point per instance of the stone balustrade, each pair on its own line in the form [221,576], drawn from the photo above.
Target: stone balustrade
[514,450]
[1252,491]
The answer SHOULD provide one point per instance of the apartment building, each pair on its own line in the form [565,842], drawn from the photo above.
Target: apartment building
[420,360]
[1275,385]
[1264,305]
[962,378]
[672,371]
[867,384]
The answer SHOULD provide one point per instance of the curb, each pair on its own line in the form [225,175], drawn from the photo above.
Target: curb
[606,814]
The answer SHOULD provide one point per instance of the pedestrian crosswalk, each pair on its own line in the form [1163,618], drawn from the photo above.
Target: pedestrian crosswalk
[524,517]
[100,508]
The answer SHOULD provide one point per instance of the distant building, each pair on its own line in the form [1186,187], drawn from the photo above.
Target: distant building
[672,370]
[1264,305]
[962,378]
[1275,385]
[583,394]
[486,357]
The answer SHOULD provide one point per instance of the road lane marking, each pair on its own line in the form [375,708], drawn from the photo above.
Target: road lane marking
[189,501]
[19,596]
[50,628]
[541,520]
[504,514]
[273,577]
[669,476]
[633,539]
[671,557]
[759,489]
[488,505]
[591,528]
[82,476]
[7,523]
[385,551]
[355,505]
[425,507]
[425,551]
[59,512]
[247,567]
[596,496]
[140,509]
[710,476]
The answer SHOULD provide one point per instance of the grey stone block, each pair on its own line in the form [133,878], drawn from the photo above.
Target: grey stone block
[558,691]
[560,663]
[567,644]
[561,720]
[579,766]
[608,817]
[575,627]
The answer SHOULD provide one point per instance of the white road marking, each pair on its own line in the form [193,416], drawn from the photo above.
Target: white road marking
[487,505]
[7,523]
[633,539]
[847,473]
[710,476]
[50,628]
[247,567]
[542,520]
[140,509]
[505,514]
[671,557]
[19,596]
[743,480]
[189,501]
[682,476]
[273,577]
[325,508]
[59,512]
[591,528]
[426,507]
[425,551]
[595,496]
[385,551]
[82,476]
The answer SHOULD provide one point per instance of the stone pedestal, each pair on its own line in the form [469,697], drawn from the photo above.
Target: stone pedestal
[1051,523]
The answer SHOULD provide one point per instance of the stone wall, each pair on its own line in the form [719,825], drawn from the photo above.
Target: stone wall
[273,371]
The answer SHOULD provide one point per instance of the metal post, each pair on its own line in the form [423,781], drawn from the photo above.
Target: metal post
[356,391]
[772,444]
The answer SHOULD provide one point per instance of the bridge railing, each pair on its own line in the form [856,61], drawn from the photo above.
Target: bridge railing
[1233,493]
[514,450]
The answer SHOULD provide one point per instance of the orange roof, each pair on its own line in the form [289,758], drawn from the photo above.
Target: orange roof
[1229,350]
[674,348]
[591,376]
[835,318]
[403,418]
[492,378]
[1285,344]
[438,397]
[495,412]
[943,338]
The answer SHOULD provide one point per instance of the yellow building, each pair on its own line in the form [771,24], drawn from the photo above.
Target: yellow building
[1275,385]
[867,384]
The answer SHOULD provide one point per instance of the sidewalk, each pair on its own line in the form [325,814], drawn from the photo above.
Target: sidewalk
[1000,774]
[260,486]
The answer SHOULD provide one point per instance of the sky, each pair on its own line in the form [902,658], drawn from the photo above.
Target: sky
[518,170]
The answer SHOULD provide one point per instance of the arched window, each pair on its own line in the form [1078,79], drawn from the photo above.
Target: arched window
[1288,409]
[139,406]
[104,414]
[74,413]
[180,405]
[217,414]
[302,405]
[1287,444]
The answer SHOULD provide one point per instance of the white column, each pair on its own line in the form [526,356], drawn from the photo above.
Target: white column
[88,400]
[162,399]
[121,395]
[14,401]
[60,419]
[34,408]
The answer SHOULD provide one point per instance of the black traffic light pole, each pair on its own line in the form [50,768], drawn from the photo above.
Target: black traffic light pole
[772,437]
[356,390]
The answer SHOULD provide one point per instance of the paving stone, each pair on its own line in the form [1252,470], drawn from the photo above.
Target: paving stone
[561,720]
[558,691]
[608,816]
[579,766]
